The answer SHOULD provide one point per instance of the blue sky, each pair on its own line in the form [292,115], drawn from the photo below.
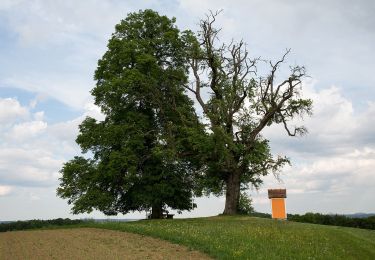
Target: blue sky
[49,52]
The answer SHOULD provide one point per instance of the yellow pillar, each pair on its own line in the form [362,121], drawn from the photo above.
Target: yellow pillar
[277,197]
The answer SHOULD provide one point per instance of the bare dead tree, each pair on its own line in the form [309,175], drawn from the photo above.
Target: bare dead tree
[239,104]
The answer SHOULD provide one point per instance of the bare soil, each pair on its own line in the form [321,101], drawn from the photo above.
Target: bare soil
[88,243]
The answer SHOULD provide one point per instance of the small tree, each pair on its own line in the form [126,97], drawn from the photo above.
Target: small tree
[139,150]
[238,104]
[245,206]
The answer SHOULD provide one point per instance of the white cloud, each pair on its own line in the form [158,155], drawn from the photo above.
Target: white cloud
[39,116]
[333,114]
[28,167]
[11,110]
[5,190]
[334,128]
[68,130]
[333,174]
[94,111]
[73,35]
[34,197]
[334,161]
[59,22]
[40,97]
[56,86]
[32,152]
[7,4]
[23,131]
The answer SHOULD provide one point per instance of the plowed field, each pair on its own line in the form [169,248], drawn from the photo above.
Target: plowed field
[88,243]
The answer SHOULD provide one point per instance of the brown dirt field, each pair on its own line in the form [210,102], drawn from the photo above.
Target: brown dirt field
[88,243]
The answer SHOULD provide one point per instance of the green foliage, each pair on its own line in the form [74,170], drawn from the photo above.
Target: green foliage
[334,220]
[36,224]
[260,215]
[245,206]
[139,151]
[257,238]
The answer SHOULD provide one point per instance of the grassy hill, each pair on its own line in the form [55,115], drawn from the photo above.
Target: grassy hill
[257,238]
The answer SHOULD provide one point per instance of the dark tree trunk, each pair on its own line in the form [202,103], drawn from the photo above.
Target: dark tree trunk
[232,193]
[157,212]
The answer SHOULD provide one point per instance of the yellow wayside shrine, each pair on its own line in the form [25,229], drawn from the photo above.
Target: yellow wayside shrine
[277,197]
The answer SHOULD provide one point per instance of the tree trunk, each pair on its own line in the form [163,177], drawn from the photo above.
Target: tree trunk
[232,193]
[157,212]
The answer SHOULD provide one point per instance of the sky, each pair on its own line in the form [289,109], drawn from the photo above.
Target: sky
[49,52]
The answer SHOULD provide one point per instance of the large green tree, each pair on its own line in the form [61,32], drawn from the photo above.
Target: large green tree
[238,104]
[143,154]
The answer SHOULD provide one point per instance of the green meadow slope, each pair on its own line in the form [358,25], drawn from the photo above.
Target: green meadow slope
[257,238]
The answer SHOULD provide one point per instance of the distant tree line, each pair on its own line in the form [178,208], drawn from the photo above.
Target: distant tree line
[326,219]
[334,220]
[37,223]
[260,215]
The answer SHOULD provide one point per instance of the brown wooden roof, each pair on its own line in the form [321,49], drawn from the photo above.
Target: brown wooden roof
[276,193]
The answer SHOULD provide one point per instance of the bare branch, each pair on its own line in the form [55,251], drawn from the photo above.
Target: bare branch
[236,134]
[190,89]
[297,130]
[194,65]
[239,103]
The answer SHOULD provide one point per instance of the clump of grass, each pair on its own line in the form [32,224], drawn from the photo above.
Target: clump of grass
[248,237]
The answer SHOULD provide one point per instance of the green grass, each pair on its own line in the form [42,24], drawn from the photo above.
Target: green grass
[256,238]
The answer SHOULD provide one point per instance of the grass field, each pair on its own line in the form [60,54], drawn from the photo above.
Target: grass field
[88,243]
[256,238]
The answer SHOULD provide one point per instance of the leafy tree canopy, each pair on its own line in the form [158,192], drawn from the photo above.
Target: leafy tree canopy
[139,151]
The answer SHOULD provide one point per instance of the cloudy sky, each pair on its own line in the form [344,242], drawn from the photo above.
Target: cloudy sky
[49,51]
